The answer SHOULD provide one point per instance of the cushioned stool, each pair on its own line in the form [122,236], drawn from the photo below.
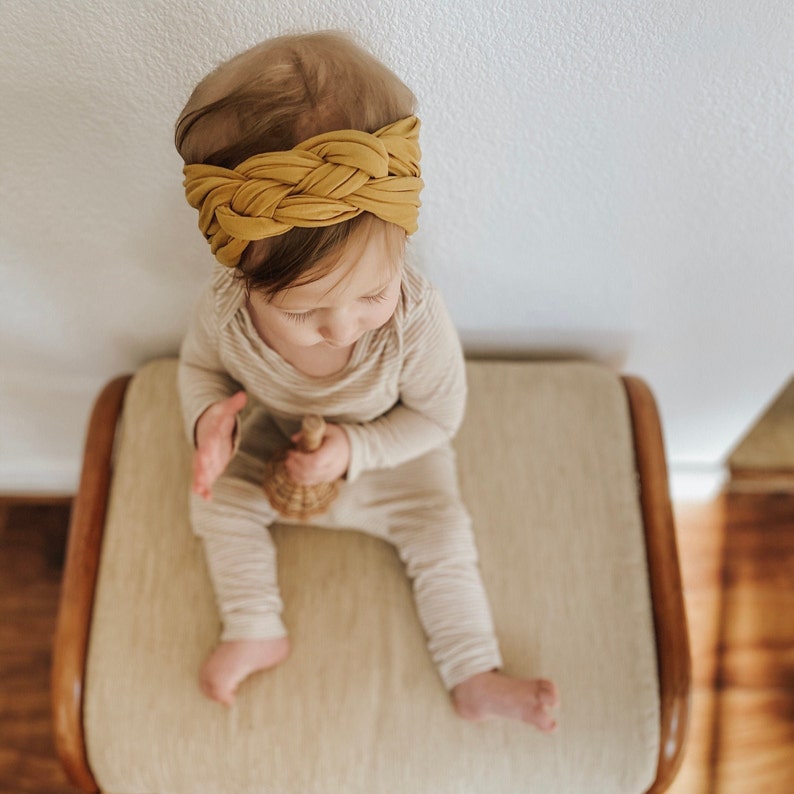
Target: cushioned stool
[562,467]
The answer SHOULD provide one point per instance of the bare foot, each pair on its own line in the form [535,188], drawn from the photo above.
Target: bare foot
[232,662]
[493,694]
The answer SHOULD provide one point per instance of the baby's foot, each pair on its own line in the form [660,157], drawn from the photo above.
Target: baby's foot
[232,662]
[493,694]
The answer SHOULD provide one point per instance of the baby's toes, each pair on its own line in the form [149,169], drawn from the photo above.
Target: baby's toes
[539,716]
[547,723]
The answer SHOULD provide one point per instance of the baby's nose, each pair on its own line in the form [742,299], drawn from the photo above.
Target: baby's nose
[340,329]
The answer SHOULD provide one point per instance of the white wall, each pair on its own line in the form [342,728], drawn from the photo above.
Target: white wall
[610,179]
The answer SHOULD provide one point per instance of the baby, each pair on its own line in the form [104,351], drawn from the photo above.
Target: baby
[302,158]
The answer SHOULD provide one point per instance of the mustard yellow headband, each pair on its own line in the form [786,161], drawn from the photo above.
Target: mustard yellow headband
[327,179]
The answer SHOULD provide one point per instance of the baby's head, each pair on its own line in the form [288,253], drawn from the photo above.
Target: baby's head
[270,99]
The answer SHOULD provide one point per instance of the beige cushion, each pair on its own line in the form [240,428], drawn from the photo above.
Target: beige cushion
[546,468]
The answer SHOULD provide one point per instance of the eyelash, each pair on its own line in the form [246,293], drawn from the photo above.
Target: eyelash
[303,316]
[298,318]
[379,298]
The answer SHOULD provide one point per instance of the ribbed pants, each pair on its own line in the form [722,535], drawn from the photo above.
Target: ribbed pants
[416,507]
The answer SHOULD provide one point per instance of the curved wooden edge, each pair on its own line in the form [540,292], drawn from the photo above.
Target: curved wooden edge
[79,581]
[672,638]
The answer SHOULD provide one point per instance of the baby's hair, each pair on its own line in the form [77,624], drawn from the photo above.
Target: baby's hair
[274,96]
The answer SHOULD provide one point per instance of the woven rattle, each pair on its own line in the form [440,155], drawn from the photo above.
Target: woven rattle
[289,497]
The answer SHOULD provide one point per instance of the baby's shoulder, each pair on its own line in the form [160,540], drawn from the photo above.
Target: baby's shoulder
[416,293]
[228,293]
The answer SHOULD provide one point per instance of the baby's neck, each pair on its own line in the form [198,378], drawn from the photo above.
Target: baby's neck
[319,361]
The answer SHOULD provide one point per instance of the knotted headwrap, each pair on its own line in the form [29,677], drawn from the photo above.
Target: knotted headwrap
[327,179]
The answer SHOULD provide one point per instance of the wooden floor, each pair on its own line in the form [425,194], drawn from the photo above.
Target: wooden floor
[737,557]
[32,540]
[737,560]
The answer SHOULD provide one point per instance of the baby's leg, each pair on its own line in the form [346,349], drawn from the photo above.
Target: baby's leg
[241,559]
[432,532]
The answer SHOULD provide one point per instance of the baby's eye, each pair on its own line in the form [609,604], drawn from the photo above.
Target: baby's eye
[298,317]
[379,298]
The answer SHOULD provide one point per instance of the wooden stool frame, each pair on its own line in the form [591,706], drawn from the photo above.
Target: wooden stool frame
[85,541]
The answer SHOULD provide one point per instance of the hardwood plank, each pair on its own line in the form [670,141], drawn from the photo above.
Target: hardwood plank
[738,572]
[755,741]
[32,540]
[754,725]
[759,668]
[703,609]
[701,536]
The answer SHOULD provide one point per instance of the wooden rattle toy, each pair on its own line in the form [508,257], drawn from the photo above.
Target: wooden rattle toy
[289,497]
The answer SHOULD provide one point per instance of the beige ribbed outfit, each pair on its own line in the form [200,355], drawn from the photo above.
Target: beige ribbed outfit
[400,399]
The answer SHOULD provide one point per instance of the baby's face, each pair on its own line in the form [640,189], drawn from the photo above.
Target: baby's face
[360,294]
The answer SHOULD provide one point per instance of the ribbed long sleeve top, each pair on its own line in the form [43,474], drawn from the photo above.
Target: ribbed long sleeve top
[401,394]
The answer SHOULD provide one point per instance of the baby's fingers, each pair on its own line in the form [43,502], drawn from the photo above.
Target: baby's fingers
[303,467]
[204,493]
[201,486]
[295,466]
[234,404]
[205,472]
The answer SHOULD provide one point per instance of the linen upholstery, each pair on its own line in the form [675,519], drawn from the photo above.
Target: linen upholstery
[547,471]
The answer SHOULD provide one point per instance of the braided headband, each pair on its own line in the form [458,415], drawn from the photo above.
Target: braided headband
[327,179]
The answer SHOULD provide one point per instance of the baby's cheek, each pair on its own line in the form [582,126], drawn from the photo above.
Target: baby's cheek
[384,315]
[304,337]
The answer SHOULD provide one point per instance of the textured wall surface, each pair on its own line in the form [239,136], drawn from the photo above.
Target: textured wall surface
[608,179]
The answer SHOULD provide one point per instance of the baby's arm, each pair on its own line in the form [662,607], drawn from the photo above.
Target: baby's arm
[432,395]
[211,399]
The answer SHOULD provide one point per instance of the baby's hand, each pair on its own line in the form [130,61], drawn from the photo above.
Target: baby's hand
[215,442]
[326,464]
